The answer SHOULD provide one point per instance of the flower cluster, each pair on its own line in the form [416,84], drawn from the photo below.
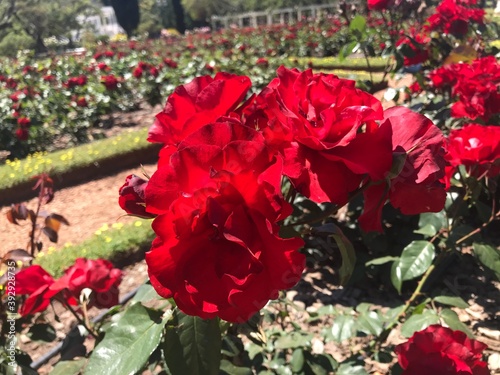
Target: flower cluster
[97,275]
[217,194]
[455,16]
[475,85]
[439,350]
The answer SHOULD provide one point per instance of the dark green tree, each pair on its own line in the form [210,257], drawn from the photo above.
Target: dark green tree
[179,16]
[127,14]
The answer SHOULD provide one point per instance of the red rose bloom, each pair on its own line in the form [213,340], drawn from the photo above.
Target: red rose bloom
[378,4]
[110,81]
[217,251]
[454,17]
[439,350]
[132,197]
[35,282]
[97,275]
[414,185]
[196,104]
[477,147]
[324,127]
[22,134]
[419,52]
[24,122]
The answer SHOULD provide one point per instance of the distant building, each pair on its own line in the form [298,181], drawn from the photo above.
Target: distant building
[104,23]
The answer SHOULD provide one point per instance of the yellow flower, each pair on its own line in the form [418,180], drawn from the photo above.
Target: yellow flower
[138,223]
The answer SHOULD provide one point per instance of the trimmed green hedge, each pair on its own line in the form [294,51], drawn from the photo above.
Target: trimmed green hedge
[119,243]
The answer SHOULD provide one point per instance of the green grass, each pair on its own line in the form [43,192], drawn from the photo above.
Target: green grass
[113,243]
[15,172]
[358,63]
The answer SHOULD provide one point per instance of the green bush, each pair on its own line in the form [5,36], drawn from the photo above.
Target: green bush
[13,42]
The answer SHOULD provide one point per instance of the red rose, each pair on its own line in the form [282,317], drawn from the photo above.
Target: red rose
[454,17]
[378,4]
[22,134]
[414,185]
[196,104]
[137,73]
[324,127]
[218,199]
[110,81]
[24,122]
[35,282]
[97,275]
[170,63]
[82,102]
[439,350]
[132,196]
[477,147]
[418,50]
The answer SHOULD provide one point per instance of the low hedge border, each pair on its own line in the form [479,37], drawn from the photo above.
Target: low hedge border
[122,244]
[377,64]
[81,163]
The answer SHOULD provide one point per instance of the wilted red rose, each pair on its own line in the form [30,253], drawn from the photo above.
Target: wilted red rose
[440,350]
[132,197]
[196,104]
[477,147]
[414,181]
[97,275]
[217,251]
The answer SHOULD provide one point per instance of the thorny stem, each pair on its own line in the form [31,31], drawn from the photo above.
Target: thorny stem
[477,230]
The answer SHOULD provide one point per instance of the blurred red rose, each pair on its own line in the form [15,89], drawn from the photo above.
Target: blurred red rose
[439,350]
[378,4]
[417,51]
[35,282]
[110,81]
[197,103]
[24,122]
[97,275]
[132,197]
[22,134]
[477,147]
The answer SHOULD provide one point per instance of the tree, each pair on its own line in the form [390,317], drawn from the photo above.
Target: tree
[179,16]
[127,14]
[41,19]
[7,8]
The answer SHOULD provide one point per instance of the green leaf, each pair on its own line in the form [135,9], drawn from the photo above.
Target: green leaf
[414,261]
[370,323]
[391,314]
[450,317]
[319,364]
[297,361]
[226,367]
[342,328]
[430,223]
[128,342]
[348,49]
[145,293]
[42,332]
[193,346]
[488,256]
[358,24]
[452,301]
[380,261]
[350,369]
[293,340]
[419,322]
[69,367]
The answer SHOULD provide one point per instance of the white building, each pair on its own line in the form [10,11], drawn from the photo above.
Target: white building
[104,23]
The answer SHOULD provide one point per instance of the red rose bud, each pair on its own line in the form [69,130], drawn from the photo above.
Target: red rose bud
[439,350]
[132,197]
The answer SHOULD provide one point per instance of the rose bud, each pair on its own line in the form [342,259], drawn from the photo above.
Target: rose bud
[132,197]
